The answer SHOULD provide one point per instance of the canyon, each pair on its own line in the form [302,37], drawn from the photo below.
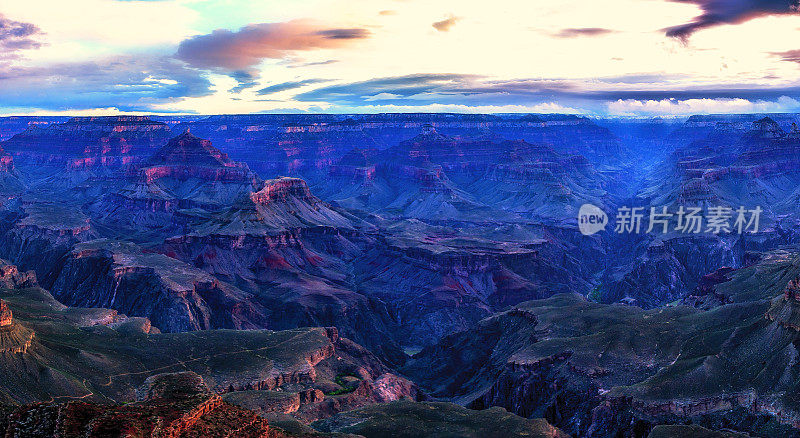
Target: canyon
[311,274]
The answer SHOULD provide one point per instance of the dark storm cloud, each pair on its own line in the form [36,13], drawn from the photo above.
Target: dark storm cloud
[717,12]
[582,31]
[446,24]
[245,48]
[284,86]
[16,35]
[125,82]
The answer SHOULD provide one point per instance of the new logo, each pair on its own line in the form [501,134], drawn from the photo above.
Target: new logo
[591,219]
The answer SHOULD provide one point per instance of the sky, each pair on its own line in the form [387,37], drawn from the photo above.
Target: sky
[606,58]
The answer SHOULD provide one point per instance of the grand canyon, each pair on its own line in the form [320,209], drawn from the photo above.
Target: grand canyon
[396,274]
[399,219]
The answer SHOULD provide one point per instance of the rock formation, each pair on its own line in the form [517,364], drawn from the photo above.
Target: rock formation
[5,314]
[583,389]
[186,173]
[89,142]
[176,405]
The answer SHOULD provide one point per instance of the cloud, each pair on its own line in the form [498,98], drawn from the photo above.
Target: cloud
[701,106]
[446,24]
[15,36]
[246,79]
[751,92]
[791,55]
[718,12]
[545,107]
[582,31]
[126,82]
[631,93]
[310,64]
[247,47]
[289,86]
[443,88]
[343,34]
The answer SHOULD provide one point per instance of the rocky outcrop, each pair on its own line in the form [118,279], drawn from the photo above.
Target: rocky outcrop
[535,362]
[176,405]
[281,190]
[12,278]
[173,295]
[5,314]
[37,238]
[108,362]
[188,172]
[6,162]
[288,250]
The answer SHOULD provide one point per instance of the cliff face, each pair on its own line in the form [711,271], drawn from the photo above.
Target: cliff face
[89,142]
[174,296]
[6,161]
[12,278]
[10,184]
[36,237]
[736,161]
[186,173]
[5,314]
[437,177]
[117,361]
[308,262]
[606,370]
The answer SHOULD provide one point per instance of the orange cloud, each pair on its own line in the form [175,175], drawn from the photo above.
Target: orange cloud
[246,47]
[446,24]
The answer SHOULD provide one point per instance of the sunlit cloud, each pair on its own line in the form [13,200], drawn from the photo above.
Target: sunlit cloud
[246,47]
[701,106]
[315,55]
[446,24]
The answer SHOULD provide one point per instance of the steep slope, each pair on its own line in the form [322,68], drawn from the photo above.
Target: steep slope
[437,177]
[175,296]
[596,370]
[89,142]
[290,250]
[10,184]
[187,173]
[740,163]
[54,353]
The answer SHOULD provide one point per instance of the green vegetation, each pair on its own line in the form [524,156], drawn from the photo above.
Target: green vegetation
[346,386]
[596,293]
